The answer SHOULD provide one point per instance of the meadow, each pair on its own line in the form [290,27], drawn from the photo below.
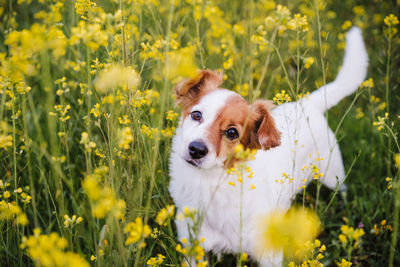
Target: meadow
[87,115]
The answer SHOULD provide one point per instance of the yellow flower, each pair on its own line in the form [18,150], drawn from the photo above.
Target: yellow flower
[380,124]
[90,34]
[96,110]
[102,198]
[49,250]
[281,98]
[288,231]
[136,231]
[368,83]
[7,194]
[171,115]
[343,238]
[156,261]
[391,20]
[89,145]
[397,160]
[10,211]
[117,76]
[5,141]
[308,61]
[181,64]
[82,7]
[346,25]
[126,138]
[164,214]
[298,23]
[344,263]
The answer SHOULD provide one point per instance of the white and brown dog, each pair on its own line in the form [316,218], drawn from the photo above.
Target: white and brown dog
[288,137]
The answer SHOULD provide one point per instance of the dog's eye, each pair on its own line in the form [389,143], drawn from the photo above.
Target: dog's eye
[196,115]
[232,134]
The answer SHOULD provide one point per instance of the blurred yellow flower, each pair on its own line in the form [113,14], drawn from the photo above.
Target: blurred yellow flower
[137,231]
[391,20]
[298,23]
[102,198]
[308,61]
[126,138]
[368,83]
[346,25]
[117,76]
[397,160]
[10,211]
[49,251]
[281,97]
[344,263]
[164,214]
[156,261]
[181,64]
[288,231]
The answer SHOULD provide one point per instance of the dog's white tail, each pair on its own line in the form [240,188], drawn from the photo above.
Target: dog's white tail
[350,76]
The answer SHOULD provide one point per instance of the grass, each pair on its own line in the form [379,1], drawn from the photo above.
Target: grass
[61,154]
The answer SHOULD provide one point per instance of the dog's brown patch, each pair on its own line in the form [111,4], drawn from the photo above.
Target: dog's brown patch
[233,114]
[254,124]
[189,92]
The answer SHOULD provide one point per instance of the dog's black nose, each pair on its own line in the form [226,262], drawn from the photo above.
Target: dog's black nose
[197,150]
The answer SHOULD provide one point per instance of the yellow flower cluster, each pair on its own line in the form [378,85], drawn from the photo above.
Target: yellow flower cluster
[49,250]
[146,97]
[11,211]
[117,76]
[195,251]
[61,112]
[6,140]
[344,263]
[368,83]
[102,198]
[192,249]
[156,261]
[389,181]
[126,138]
[308,61]
[299,23]
[240,168]
[242,89]
[171,115]
[285,177]
[71,221]
[89,34]
[164,214]
[149,132]
[383,226]
[281,98]
[380,124]
[391,21]
[83,6]
[288,231]
[350,236]
[181,64]
[137,232]
[313,256]
[89,145]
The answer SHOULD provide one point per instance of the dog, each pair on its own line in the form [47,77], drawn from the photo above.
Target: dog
[288,138]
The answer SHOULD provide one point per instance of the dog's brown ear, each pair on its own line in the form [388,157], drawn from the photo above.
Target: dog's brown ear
[188,90]
[265,135]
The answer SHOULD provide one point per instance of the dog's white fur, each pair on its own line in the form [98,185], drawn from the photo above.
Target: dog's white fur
[305,136]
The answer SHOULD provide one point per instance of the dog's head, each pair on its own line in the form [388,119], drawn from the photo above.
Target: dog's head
[215,120]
